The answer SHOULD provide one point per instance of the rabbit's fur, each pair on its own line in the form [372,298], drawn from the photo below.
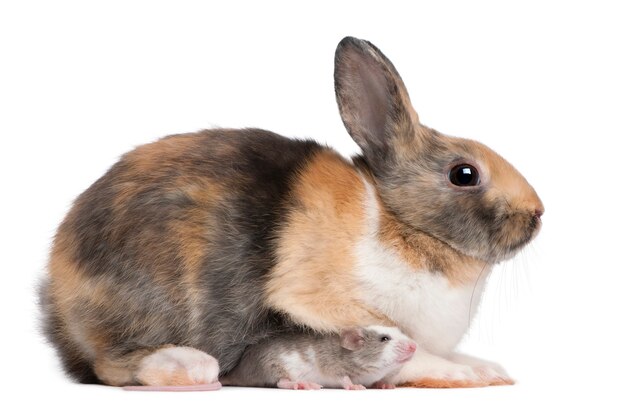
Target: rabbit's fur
[217,239]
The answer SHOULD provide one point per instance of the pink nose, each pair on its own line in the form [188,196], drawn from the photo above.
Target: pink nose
[405,350]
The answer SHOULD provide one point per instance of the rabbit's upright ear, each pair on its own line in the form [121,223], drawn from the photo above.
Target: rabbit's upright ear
[373,101]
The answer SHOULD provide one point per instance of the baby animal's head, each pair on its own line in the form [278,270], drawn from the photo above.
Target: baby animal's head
[378,347]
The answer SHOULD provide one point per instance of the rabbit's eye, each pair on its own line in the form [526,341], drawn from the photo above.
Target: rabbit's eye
[464,175]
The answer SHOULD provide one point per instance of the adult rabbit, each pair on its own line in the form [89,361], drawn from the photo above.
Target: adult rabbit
[192,247]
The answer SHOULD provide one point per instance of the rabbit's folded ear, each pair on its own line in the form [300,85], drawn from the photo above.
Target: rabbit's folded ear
[373,101]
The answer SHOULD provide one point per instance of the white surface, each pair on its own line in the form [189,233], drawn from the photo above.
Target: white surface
[542,83]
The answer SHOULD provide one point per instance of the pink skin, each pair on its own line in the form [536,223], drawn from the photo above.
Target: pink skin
[175,388]
[405,350]
[347,384]
[297,385]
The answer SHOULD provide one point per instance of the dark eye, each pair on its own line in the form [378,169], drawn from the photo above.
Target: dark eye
[464,175]
[385,338]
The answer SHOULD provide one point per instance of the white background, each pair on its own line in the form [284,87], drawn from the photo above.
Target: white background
[542,83]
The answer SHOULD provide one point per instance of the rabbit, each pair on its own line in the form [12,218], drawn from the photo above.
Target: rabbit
[191,248]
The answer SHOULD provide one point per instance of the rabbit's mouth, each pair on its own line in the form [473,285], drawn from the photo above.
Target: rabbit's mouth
[517,231]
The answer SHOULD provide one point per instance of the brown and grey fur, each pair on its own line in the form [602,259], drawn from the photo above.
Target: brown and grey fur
[218,239]
[172,246]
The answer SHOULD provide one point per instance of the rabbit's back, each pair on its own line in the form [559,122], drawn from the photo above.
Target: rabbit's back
[171,246]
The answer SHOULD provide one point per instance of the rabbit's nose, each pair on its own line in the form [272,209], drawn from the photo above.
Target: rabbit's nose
[538,212]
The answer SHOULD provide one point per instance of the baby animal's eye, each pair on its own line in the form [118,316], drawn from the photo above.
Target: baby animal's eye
[464,175]
[385,338]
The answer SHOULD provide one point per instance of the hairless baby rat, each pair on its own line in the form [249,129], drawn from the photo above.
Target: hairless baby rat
[353,359]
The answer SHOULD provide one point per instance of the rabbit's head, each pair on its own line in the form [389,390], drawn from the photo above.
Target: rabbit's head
[456,190]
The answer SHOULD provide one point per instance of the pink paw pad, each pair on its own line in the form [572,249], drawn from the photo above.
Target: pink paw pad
[298,385]
[175,388]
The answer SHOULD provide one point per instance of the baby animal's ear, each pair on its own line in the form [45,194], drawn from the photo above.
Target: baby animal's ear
[352,339]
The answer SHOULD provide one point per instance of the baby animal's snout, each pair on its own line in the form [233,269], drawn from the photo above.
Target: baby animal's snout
[406,350]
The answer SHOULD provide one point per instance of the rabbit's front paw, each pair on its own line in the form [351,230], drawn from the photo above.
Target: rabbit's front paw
[487,370]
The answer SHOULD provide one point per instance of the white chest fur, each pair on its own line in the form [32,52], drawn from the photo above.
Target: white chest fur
[423,303]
